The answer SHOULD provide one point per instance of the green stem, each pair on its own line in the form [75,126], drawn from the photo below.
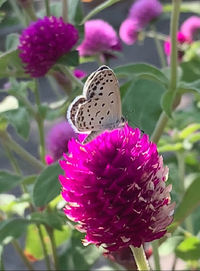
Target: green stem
[174,51]
[160,125]
[40,123]
[159,47]
[159,36]
[18,12]
[181,173]
[46,257]
[173,75]
[156,255]
[70,75]
[47,7]
[21,254]
[12,160]
[31,12]
[10,143]
[65,10]
[140,258]
[27,104]
[54,250]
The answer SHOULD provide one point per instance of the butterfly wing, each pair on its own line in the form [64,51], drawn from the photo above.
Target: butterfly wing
[99,113]
[72,110]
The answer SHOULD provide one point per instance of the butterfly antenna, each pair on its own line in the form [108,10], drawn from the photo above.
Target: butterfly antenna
[129,120]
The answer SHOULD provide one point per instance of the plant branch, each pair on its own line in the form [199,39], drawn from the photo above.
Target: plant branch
[21,254]
[70,75]
[140,258]
[47,7]
[173,75]
[65,10]
[40,123]
[13,145]
[159,47]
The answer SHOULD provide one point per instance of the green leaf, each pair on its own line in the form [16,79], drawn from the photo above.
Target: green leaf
[51,219]
[71,59]
[189,130]
[32,245]
[185,7]
[13,227]
[73,5]
[74,250]
[171,147]
[2,1]
[12,41]
[190,200]
[189,249]
[143,96]
[29,179]
[191,70]
[47,186]
[143,71]
[99,8]
[8,181]
[167,101]
[124,88]
[19,118]
[184,87]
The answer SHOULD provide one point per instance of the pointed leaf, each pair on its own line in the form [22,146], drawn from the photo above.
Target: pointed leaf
[8,181]
[71,59]
[142,70]
[189,202]
[13,227]
[167,101]
[143,96]
[19,118]
[51,219]
[189,249]
[47,186]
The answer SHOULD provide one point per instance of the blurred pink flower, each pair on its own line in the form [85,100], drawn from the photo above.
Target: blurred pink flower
[181,38]
[100,39]
[145,11]
[57,140]
[80,73]
[128,31]
[191,28]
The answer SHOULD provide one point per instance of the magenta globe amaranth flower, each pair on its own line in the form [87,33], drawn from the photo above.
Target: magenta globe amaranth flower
[128,31]
[57,140]
[43,42]
[100,39]
[145,11]
[191,28]
[115,189]
[181,39]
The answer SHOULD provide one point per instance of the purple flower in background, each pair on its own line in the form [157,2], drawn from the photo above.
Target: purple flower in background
[43,42]
[145,11]
[100,39]
[128,31]
[181,40]
[57,140]
[115,189]
[191,28]
[80,73]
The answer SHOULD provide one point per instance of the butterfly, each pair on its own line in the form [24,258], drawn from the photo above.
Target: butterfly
[99,108]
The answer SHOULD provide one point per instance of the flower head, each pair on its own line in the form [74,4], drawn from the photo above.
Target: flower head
[191,28]
[79,73]
[100,39]
[115,189]
[57,140]
[181,38]
[43,42]
[128,31]
[145,11]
